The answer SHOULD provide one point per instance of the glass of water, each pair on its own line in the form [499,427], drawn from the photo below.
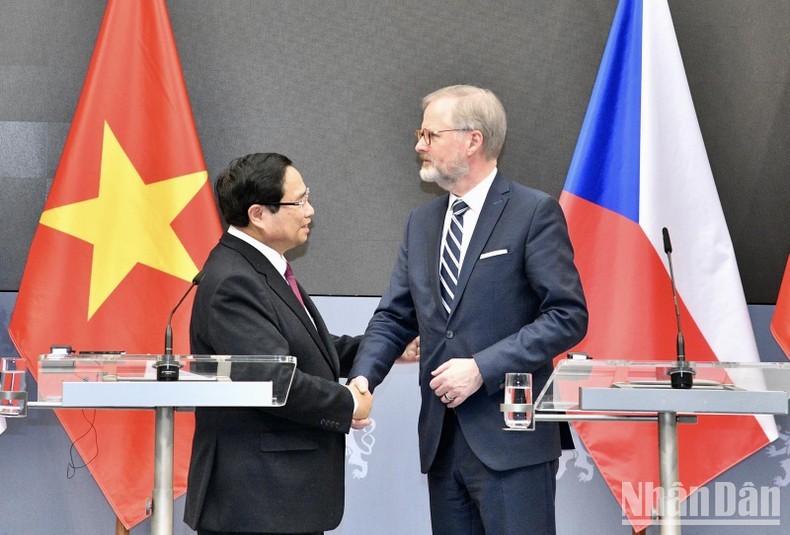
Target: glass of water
[12,387]
[518,395]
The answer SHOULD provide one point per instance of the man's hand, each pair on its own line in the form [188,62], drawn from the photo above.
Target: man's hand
[361,424]
[364,402]
[359,389]
[411,353]
[455,380]
[361,382]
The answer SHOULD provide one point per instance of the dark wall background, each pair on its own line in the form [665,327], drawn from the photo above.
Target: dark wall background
[336,86]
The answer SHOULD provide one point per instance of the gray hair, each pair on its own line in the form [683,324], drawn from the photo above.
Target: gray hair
[475,108]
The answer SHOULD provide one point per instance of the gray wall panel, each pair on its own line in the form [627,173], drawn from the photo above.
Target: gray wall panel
[336,85]
[24,198]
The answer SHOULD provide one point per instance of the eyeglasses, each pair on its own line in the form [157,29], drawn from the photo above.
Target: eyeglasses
[424,133]
[300,203]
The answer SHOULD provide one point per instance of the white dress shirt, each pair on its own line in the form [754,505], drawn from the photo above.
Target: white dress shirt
[474,198]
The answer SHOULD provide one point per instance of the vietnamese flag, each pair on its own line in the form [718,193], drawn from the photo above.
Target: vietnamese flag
[640,165]
[129,220]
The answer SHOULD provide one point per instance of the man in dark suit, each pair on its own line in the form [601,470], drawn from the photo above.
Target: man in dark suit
[485,274]
[268,470]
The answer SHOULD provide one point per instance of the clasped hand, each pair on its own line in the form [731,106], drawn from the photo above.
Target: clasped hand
[359,389]
[364,401]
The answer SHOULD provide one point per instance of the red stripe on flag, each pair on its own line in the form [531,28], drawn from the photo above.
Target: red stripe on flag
[780,323]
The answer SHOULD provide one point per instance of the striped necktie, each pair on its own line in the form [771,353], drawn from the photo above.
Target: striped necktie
[450,264]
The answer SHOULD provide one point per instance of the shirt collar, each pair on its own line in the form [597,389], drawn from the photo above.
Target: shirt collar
[476,197]
[278,261]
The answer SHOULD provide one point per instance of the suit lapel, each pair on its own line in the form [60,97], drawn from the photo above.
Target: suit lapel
[319,330]
[281,288]
[278,285]
[492,210]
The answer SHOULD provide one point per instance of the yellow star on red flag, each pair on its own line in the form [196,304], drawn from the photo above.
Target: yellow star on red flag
[129,222]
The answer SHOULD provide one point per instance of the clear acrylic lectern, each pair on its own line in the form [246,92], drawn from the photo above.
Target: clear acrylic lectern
[118,381]
[621,390]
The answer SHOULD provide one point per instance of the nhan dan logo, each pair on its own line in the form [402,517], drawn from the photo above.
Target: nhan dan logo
[723,504]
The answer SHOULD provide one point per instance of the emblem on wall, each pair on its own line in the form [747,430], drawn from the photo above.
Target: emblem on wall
[774,451]
[578,460]
[359,444]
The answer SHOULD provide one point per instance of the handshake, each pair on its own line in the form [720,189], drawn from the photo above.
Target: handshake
[364,403]
[360,390]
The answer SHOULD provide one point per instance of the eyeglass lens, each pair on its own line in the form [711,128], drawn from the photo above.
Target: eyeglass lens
[423,133]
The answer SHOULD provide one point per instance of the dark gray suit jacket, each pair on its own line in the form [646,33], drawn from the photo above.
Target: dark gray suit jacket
[514,312]
[272,469]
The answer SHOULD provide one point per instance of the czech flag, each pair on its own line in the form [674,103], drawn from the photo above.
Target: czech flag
[640,165]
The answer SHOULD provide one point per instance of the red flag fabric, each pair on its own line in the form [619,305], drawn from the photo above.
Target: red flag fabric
[640,165]
[129,220]
[780,323]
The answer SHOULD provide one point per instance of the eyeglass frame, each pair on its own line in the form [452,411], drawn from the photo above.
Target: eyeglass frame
[424,133]
[305,200]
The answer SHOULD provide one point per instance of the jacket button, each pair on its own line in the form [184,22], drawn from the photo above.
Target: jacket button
[449,334]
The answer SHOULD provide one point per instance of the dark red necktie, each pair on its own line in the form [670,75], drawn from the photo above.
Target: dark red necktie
[291,280]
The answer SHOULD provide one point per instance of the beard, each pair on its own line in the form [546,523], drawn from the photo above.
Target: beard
[445,177]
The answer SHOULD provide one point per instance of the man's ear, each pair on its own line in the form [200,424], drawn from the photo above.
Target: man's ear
[257,213]
[476,142]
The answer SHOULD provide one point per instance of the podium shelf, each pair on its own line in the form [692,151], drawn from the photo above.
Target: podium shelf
[643,387]
[111,380]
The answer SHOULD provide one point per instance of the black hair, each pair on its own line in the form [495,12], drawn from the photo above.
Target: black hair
[253,179]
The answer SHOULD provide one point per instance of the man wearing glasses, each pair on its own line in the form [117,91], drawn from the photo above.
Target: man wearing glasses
[485,275]
[265,470]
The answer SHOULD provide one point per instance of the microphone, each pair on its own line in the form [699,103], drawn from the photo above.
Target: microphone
[167,367]
[681,375]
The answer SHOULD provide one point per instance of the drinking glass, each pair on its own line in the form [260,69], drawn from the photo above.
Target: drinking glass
[518,392]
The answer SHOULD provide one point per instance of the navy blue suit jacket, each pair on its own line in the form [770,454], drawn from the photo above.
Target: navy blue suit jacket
[514,311]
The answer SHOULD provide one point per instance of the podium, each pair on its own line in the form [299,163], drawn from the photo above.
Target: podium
[119,381]
[640,390]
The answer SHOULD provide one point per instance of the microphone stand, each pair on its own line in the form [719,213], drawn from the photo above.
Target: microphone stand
[167,366]
[681,375]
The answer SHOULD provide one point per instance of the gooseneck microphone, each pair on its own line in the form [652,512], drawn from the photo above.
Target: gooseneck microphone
[681,375]
[167,368]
